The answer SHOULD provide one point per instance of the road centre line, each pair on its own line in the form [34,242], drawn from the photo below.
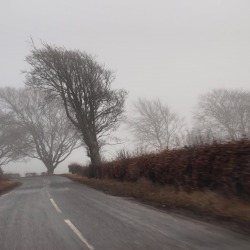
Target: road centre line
[78,233]
[55,206]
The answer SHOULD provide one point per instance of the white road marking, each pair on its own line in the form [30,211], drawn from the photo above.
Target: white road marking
[55,206]
[78,233]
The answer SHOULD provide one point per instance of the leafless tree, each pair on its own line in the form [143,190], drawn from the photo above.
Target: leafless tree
[50,135]
[197,136]
[12,139]
[225,112]
[84,87]
[155,125]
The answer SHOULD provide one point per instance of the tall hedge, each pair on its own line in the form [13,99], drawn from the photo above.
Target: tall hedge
[224,167]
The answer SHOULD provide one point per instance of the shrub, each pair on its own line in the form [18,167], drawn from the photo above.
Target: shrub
[11,175]
[224,167]
[31,174]
[76,168]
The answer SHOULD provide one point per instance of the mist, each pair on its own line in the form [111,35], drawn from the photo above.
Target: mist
[174,51]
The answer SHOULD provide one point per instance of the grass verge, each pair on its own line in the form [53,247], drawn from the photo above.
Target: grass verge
[207,205]
[6,186]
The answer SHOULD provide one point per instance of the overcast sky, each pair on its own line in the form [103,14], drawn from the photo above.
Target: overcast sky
[171,49]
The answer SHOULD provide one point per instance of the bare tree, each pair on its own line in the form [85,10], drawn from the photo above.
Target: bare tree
[154,124]
[225,112]
[197,136]
[12,140]
[84,87]
[50,135]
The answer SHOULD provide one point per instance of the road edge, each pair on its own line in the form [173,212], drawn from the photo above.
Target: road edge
[232,225]
[12,185]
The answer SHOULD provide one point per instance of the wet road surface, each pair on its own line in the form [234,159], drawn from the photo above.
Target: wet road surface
[52,212]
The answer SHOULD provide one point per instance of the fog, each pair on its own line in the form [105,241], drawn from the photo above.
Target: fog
[174,50]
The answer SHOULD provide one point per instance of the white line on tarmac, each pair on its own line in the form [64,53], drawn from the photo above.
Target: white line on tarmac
[78,233]
[55,206]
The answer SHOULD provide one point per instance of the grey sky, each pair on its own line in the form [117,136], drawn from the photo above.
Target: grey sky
[174,50]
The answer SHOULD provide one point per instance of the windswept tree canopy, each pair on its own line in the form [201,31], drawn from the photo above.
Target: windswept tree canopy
[84,88]
[50,136]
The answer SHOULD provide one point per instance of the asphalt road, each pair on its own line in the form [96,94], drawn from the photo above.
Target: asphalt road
[55,213]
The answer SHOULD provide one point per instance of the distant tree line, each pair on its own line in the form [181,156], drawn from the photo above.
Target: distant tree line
[220,115]
[68,102]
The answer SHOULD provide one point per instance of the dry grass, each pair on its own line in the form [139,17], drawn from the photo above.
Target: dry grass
[6,185]
[204,203]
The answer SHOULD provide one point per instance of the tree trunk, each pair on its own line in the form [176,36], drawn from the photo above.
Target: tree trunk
[50,168]
[95,157]
[50,171]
